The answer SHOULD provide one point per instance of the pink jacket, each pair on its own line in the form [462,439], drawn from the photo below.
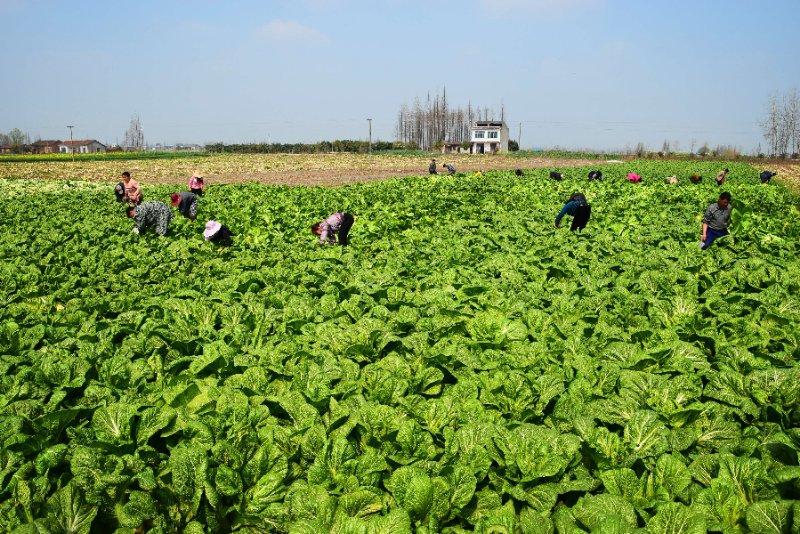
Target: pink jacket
[330,226]
[195,183]
[633,177]
[133,191]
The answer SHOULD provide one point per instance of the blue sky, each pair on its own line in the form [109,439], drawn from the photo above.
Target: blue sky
[577,73]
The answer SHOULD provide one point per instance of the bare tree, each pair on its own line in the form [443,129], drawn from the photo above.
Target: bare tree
[17,139]
[5,140]
[436,121]
[665,148]
[134,135]
[791,120]
[781,126]
[771,125]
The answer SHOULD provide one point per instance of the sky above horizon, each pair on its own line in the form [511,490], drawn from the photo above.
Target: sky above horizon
[601,74]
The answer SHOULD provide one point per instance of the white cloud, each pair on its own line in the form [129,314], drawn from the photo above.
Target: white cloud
[291,31]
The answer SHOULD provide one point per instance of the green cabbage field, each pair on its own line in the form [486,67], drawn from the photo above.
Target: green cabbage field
[462,366]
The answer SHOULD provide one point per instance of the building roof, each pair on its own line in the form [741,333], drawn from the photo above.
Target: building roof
[489,124]
[81,142]
[46,142]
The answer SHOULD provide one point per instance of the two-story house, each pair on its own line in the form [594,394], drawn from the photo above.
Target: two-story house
[489,137]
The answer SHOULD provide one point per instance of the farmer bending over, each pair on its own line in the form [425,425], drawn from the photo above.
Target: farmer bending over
[152,213]
[766,176]
[451,170]
[579,209]
[721,176]
[196,184]
[186,203]
[337,224]
[716,220]
[119,192]
[218,233]
[432,167]
[133,193]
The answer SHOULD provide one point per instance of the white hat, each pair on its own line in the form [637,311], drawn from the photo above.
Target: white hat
[212,227]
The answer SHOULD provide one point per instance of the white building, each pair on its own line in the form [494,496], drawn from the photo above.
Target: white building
[85,146]
[488,137]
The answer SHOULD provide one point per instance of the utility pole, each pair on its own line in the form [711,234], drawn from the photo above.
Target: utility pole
[71,146]
[519,136]
[370,135]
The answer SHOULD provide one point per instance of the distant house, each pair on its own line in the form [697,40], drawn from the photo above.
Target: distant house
[85,146]
[455,148]
[488,137]
[6,149]
[45,147]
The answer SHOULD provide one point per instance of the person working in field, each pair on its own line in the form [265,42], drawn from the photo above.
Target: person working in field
[634,178]
[716,221]
[695,178]
[451,170]
[722,176]
[671,180]
[766,176]
[119,192]
[432,167]
[150,214]
[186,203]
[579,209]
[218,233]
[133,192]
[338,224]
[595,175]
[196,184]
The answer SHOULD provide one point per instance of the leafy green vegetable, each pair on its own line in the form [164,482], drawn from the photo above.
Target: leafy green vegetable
[462,366]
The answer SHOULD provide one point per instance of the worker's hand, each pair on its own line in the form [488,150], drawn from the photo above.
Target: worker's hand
[558,225]
[136,231]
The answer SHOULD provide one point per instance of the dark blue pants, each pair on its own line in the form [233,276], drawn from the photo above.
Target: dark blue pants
[712,235]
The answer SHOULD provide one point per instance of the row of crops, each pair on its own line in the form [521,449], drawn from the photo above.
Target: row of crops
[462,366]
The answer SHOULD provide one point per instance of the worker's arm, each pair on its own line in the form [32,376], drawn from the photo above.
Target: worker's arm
[704,231]
[139,218]
[561,214]
[326,236]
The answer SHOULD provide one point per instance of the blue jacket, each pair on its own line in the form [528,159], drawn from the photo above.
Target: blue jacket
[570,208]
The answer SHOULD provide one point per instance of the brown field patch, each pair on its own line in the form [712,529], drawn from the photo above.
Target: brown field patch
[280,169]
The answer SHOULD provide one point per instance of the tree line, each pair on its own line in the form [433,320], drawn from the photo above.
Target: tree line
[433,122]
[340,145]
[15,139]
[782,124]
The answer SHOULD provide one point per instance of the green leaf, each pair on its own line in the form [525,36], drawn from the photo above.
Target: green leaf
[593,510]
[676,518]
[188,464]
[769,517]
[139,508]
[112,424]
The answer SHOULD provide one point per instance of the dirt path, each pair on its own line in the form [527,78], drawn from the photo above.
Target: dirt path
[788,173]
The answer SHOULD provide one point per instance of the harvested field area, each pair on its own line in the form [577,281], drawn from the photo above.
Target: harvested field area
[280,169]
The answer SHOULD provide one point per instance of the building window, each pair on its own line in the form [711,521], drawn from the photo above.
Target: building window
[479,134]
[493,135]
